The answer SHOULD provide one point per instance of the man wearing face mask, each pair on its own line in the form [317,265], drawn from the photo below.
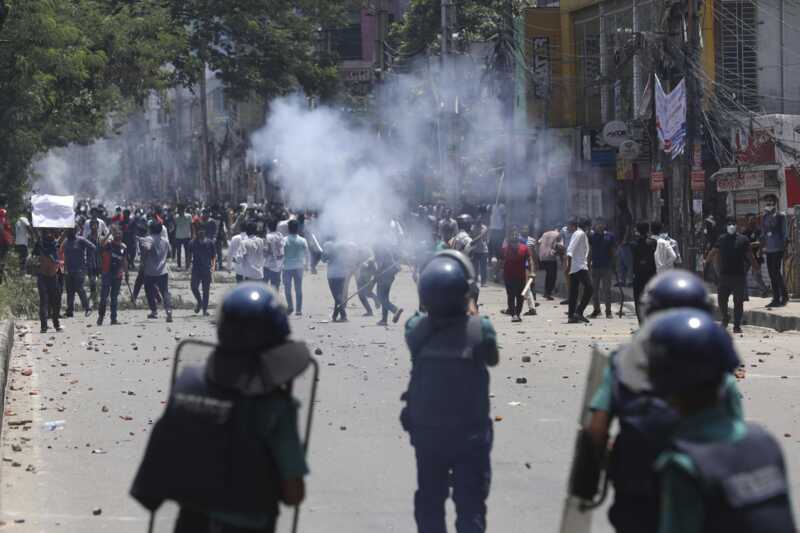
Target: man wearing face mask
[733,253]
[773,232]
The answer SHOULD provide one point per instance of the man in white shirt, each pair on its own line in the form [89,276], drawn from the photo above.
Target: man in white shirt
[578,268]
[22,234]
[273,253]
[102,229]
[236,254]
[665,254]
[251,251]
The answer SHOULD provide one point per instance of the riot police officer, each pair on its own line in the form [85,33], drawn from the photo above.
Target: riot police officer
[645,420]
[719,473]
[227,448]
[447,411]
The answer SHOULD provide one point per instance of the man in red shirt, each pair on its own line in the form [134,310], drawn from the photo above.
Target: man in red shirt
[114,264]
[517,263]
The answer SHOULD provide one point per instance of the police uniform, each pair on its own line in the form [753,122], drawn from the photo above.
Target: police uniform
[646,423]
[447,416]
[722,474]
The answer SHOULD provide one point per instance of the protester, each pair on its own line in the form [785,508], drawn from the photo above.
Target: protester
[274,252]
[548,260]
[530,294]
[113,261]
[773,233]
[666,254]
[183,233]
[734,254]
[578,268]
[79,255]
[202,254]
[295,261]
[155,251]
[602,246]
[644,262]
[517,265]
[251,254]
[93,259]
[236,254]
[480,250]
[335,255]
[46,250]
[23,232]
[387,267]
[566,234]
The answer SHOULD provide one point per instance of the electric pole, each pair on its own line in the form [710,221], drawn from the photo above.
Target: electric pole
[694,177]
[451,184]
[204,155]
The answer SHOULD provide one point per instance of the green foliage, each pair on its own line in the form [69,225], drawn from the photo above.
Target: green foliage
[65,65]
[18,295]
[256,47]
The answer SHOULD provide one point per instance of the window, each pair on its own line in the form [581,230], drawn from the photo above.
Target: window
[737,61]
[346,42]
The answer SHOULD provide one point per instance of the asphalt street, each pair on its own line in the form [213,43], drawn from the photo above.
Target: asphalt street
[104,386]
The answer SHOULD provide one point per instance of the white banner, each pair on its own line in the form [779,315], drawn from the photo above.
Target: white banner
[671,118]
[50,211]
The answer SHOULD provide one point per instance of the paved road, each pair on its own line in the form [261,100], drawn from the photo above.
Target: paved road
[108,384]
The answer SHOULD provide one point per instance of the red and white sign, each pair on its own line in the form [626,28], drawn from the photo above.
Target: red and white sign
[698,180]
[656,180]
[743,181]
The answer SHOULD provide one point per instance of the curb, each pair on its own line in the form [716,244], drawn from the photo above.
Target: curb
[764,319]
[6,343]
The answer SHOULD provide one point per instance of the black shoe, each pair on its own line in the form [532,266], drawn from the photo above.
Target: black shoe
[100,320]
[548,297]
[530,312]
[88,312]
[397,315]
[205,313]
[563,302]
[298,313]
[383,323]
[59,328]
[725,322]
[114,322]
[169,317]
[516,318]
[609,314]
[43,330]
[505,311]
[196,308]
[574,320]
[343,319]
[583,319]
[737,329]
[773,303]
[289,310]
[68,314]
[152,316]
[595,313]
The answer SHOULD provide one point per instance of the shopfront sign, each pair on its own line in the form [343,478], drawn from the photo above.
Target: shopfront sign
[742,181]
[656,180]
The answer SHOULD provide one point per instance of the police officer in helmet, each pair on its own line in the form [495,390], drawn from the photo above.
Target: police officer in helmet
[719,473]
[227,448]
[645,420]
[447,411]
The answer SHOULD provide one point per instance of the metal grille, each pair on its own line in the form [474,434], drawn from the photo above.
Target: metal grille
[737,59]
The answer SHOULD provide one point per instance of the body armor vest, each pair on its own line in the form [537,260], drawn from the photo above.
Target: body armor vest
[449,387]
[744,484]
[204,453]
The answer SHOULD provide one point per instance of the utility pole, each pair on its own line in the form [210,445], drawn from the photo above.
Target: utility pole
[693,151]
[204,156]
[451,184]
[508,93]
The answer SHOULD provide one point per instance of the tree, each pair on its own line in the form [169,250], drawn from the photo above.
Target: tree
[65,67]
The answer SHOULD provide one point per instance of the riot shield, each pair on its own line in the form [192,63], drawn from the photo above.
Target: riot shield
[578,505]
[195,353]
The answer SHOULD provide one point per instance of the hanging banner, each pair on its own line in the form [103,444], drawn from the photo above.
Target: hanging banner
[656,180]
[50,211]
[671,118]
[698,180]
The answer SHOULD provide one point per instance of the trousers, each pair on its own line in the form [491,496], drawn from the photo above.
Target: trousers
[514,296]
[160,283]
[337,286]
[384,288]
[731,285]
[74,284]
[49,299]
[193,522]
[550,276]
[109,286]
[601,279]
[458,458]
[581,277]
[183,244]
[273,278]
[201,278]
[294,277]
[480,262]
[774,265]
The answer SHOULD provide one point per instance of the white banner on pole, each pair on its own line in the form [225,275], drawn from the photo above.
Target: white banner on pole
[51,211]
[671,118]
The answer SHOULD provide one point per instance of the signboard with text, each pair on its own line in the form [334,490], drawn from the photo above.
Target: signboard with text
[656,180]
[698,182]
[741,181]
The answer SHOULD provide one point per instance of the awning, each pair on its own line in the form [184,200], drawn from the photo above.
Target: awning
[728,171]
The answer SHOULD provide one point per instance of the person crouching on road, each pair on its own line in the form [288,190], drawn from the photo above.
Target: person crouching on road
[227,448]
[447,410]
[113,266]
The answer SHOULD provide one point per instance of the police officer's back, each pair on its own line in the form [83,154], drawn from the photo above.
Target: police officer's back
[645,420]
[720,474]
[447,414]
[227,449]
